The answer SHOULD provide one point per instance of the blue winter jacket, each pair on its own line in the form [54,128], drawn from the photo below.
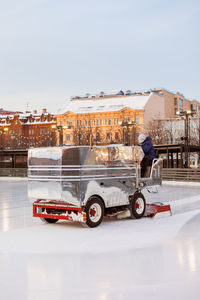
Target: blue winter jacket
[147,147]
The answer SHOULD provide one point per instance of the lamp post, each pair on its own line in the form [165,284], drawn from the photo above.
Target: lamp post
[186,137]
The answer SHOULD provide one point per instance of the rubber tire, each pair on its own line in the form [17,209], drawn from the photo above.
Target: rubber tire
[90,202]
[50,220]
[47,220]
[134,214]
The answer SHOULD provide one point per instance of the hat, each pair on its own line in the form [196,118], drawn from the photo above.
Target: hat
[141,138]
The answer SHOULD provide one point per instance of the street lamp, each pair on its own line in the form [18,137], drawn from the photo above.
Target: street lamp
[186,114]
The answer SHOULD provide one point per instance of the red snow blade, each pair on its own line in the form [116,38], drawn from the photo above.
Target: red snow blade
[158,210]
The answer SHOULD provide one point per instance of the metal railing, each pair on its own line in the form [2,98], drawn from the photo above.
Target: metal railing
[181,174]
[13,172]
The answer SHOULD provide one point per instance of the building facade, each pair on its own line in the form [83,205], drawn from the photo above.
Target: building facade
[175,102]
[108,118]
[118,117]
[23,131]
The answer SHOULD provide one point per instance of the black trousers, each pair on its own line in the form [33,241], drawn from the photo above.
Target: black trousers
[146,162]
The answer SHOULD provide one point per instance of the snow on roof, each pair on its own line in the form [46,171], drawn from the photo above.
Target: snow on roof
[106,104]
[40,122]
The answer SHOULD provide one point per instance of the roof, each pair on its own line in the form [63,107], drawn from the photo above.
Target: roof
[135,102]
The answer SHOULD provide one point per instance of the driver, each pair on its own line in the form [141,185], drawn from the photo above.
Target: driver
[149,152]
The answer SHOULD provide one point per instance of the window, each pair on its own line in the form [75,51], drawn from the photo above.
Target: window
[127,119]
[180,102]
[69,123]
[94,123]
[175,101]
[137,119]
[175,110]
[86,123]
[106,121]
[98,137]
[115,121]
[100,122]
[89,123]
[108,135]
[109,122]
[116,135]
[67,137]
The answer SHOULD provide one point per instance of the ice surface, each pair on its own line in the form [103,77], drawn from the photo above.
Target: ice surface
[121,259]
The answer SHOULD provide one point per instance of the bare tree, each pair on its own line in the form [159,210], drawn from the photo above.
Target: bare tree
[157,132]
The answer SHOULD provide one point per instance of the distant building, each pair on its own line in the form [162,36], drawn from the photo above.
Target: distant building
[177,102]
[7,112]
[104,119]
[22,131]
[118,116]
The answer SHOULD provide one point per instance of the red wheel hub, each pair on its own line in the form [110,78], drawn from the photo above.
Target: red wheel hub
[137,205]
[92,212]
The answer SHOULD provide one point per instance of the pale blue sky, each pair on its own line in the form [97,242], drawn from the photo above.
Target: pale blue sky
[53,49]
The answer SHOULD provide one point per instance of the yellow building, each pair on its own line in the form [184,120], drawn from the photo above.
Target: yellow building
[117,118]
[107,119]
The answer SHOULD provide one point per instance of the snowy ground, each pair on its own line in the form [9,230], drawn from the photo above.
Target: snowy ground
[121,259]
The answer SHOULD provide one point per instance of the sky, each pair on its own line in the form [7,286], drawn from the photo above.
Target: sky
[51,50]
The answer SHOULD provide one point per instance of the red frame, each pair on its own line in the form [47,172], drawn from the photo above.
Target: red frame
[156,208]
[58,205]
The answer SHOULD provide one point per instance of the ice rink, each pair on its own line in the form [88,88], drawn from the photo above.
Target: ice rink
[120,259]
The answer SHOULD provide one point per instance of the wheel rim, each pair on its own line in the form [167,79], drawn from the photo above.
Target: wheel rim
[95,212]
[139,206]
